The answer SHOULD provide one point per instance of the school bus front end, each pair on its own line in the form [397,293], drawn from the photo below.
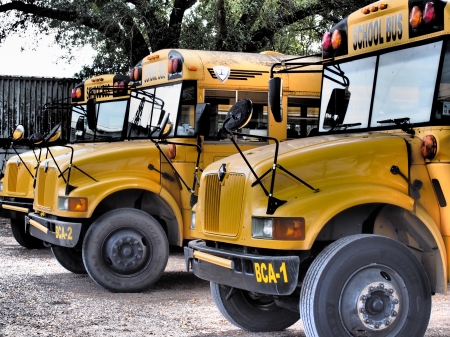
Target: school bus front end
[348,230]
[20,176]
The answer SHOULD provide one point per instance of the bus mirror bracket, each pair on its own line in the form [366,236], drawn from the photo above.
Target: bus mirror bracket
[235,118]
[275,94]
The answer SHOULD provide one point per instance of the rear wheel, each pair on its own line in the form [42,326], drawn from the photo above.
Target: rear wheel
[22,238]
[365,285]
[69,258]
[125,250]
[251,311]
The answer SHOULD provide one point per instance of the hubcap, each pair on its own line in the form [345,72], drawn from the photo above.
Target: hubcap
[373,302]
[378,305]
[126,251]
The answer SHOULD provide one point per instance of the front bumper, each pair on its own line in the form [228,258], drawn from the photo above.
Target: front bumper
[56,232]
[9,209]
[271,275]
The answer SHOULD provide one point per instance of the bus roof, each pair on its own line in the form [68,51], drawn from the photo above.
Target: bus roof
[107,87]
[384,25]
[212,68]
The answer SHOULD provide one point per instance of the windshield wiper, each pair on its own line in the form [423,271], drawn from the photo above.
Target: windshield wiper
[345,126]
[403,123]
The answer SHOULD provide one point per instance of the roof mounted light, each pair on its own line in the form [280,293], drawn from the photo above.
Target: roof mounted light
[415,17]
[326,41]
[174,65]
[429,14]
[336,39]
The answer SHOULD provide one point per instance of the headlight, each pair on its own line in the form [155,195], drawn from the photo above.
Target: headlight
[72,204]
[278,228]
[1,186]
[192,220]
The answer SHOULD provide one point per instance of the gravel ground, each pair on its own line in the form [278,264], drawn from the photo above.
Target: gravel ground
[38,297]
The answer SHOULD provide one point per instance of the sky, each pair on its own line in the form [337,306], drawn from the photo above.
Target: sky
[42,62]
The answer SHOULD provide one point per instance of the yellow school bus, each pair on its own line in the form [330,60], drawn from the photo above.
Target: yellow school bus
[123,204]
[349,230]
[18,182]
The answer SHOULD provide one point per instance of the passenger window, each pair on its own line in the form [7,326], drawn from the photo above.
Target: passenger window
[303,116]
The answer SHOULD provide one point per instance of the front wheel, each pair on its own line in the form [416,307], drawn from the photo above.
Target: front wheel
[251,311]
[365,285]
[24,239]
[69,258]
[125,250]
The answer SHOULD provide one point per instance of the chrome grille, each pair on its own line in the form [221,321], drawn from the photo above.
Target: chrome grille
[223,204]
[46,186]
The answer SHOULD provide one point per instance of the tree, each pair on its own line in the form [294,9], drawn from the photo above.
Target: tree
[124,32]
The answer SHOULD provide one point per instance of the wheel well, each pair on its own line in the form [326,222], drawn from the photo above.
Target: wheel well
[146,201]
[394,222]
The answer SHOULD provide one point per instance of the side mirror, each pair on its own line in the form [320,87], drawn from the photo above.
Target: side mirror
[91,113]
[54,134]
[336,108]
[36,138]
[275,94]
[239,115]
[164,126]
[202,114]
[80,129]
[18,133]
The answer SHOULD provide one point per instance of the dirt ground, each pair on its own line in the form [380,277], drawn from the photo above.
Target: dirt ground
[38,297]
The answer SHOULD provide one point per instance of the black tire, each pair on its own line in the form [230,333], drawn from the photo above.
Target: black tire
[69,258]
[125,250]
[250,311]
[365,285]
[24,239]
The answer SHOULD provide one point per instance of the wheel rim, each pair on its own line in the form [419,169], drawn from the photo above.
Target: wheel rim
[374,299]
[126,251]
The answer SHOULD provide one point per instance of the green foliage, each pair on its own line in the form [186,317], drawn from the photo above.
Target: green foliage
[124,32]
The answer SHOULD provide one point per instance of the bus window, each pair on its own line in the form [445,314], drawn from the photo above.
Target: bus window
[360,75]
[302,117]
[406,89]
[221,101]
[443,109]
[145,109]
[186,121]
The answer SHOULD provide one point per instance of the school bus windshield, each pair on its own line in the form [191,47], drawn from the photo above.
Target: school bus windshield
[399,92]
[110,120]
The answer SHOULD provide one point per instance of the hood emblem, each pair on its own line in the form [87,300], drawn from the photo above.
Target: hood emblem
[18,162]
[222,172]
[222,73]
[46,166]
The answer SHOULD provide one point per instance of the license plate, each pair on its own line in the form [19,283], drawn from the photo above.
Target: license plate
[271,272]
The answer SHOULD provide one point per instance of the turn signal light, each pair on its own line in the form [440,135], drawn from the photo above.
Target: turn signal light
[77,205]
[289,229]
